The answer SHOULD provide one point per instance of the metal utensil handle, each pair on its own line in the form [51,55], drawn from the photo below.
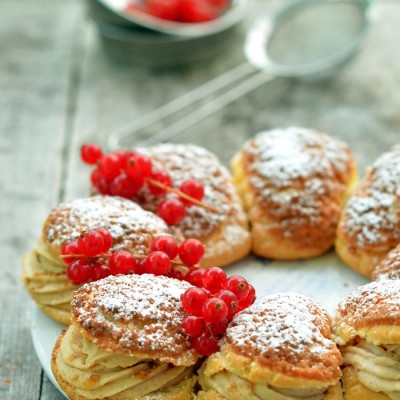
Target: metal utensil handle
[254,79]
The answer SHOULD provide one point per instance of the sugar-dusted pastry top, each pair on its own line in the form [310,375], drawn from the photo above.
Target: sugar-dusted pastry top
[131,227]
[389,268]
[370,217]
[374,304]
[287,333]
[185,162]
[138,315]
[299,177]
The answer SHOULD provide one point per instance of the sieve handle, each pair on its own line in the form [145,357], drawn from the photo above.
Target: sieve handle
[248,78]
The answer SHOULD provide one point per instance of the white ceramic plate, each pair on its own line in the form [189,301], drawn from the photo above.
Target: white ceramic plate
[325,279]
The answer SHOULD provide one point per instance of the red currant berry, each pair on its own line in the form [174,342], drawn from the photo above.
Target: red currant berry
[196,11]
[193,300]
[100,271]
[191,251]
[140,267]
[204,344]
[219,328]
[91,243]
[214,310]
[107,238]
[175,273]
[110,166]
[163,9]
[99,182]
[70,248]
[193,325]
[162,177]
[214,279]
[138,165]
[221,4]
[230,300]
[166,244]
[172,211]
[157,263]
[193,189]
[122,262]
[121,155]
[238,285]
[79,272]
[195,276]
[91,153]
[124,186]
[249,299]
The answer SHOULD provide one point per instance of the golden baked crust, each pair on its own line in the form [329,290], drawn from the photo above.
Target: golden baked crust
[131,227]
[355,390]
[293,183]
[137,315]
[389,268]
[370,223]
[281,343]
[225,233]
[372,312]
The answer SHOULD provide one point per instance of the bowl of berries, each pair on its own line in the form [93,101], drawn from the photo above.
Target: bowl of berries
[167,32]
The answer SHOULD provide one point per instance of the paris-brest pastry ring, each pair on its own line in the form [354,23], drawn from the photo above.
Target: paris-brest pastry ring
[44,272]
[126,341]
[367,328]
[277,349]
[370,223]
[293,183]
[225,233]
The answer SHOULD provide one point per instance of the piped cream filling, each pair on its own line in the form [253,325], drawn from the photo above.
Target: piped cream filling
[377,367]
[97,374]
[234,387]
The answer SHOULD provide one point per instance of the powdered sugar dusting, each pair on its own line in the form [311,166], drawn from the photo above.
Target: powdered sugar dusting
[371,215]
[377,303]
[141,314]
[185,162]
[389,268]
[131,227]
[283,327]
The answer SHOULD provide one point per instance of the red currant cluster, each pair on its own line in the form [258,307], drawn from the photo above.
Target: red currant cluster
[124,173]
[85,257]
[189,11]
[212,304]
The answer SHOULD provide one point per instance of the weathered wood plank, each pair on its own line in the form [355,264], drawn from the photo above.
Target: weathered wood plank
[35,48]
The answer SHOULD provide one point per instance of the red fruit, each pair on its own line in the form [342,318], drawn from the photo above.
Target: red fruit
[110,166]
[196,11]
[157,263]
[175,273]
[195,276]
[91,243]
[164,9]
[138,166]
[162,177]
[221,4]
[193,189]
[204,344]
[238,285]
[214,279]
[191,251]
[125,186]
[219,328]
[122,262]
[107,238]
[91,153]
[140,267]
[193,325]
[70,248]
[249,299]
[99,182]
[166,244]
[230,300]
[172,211]
[193,300]
[79,272]
[121,155]
[214,310]
[100,271]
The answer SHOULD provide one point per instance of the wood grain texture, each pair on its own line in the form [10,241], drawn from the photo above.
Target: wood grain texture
[59,89]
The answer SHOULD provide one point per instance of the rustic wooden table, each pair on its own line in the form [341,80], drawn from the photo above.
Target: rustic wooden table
[58,89]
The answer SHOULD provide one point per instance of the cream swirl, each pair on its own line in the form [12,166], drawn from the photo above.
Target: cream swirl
[377,367]
[97,374]
[234,387]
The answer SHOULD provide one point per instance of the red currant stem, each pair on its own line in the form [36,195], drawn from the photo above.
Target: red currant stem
[181,194]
